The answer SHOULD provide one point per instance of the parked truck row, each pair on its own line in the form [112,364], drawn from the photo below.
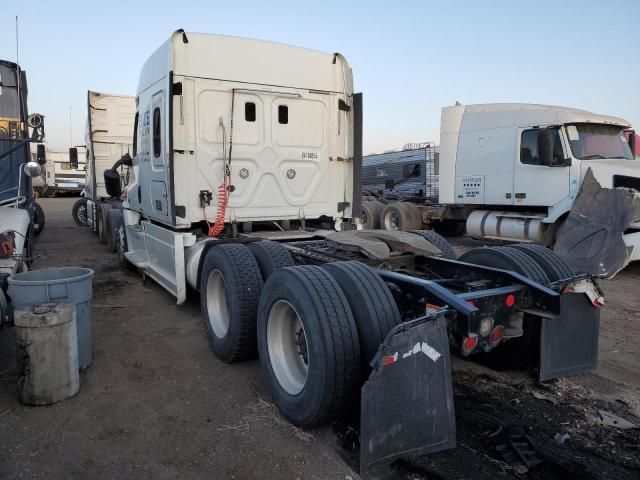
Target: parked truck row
[243,182]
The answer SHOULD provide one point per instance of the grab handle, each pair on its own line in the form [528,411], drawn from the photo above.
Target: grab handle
[54,292]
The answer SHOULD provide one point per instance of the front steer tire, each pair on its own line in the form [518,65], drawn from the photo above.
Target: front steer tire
[309,299]
[230,286]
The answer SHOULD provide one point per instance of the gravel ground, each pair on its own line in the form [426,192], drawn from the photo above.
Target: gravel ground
[157,404]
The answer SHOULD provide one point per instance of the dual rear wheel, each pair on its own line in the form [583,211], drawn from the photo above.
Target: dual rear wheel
[315,328]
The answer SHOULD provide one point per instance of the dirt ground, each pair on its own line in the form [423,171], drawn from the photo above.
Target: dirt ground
[156,403]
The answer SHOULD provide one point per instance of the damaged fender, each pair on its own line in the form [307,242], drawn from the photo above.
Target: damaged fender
[591,239]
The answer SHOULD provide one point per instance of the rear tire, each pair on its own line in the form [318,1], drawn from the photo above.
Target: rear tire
[230,286]
[374,308]
[79,213]
[38,220]
[112,225]
[439,241]
[553,265]
[507,258]
[102,210]
[401,216]
[371,212]
[305,315]
[270,256]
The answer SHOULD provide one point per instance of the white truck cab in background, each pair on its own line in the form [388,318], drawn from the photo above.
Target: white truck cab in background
[270,124]
[109,134]
[520,166]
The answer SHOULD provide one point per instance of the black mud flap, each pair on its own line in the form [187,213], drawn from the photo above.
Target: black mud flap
[569,342]
[407,402]
[590,240]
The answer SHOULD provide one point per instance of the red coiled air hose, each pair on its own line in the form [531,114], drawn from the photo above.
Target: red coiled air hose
[223,200]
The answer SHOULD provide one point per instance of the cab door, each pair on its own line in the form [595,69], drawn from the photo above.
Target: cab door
[534,182]
[159,157]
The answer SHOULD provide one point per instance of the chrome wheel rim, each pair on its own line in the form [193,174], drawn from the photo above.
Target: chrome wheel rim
[287,347]
[217,306]
[82,214]
[392,221]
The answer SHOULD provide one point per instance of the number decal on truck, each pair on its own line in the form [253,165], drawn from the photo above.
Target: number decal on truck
[309,155]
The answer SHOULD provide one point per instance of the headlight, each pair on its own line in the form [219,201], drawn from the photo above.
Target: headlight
[32,169]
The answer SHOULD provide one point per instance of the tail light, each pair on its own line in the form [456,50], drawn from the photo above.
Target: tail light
[469,344]
[497,334]
[510,300]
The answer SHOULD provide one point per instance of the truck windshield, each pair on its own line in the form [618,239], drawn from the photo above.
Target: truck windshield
[592,141]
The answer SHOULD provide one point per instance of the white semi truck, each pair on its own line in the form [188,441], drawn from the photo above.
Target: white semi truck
[109,133]
[244,177]
[61,176]
[514,172]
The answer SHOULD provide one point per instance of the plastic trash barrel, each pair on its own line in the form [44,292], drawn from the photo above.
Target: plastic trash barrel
[47,353]
[66,284]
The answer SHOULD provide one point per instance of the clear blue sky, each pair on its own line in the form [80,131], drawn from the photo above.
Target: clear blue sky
[409,58]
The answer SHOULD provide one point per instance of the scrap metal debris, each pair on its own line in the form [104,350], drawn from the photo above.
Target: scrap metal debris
[608,419]
[560,438]
[542,396]
[515,447]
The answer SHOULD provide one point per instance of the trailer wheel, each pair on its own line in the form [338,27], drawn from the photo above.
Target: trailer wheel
[79,213]
[112,225]
[439,241]
[553,265]
[401,216]
[230,286]
[374,308]
[270,256]
[506,258]
[371,212]
[308,343]
[38,219]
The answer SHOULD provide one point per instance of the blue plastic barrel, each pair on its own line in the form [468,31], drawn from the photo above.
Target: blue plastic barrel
[66,284]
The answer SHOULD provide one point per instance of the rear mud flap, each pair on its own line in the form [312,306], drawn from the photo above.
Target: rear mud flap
[569,342]
[407,402]
[590,240]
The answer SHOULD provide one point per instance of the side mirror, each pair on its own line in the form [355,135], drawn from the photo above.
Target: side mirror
[73,157]
[41,154]
[112,183]
[32,169]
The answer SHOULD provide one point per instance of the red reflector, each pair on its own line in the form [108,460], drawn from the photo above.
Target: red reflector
[470,302]
[510,300]
[469,343]
[388,360]
[496,334]
[598,302]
